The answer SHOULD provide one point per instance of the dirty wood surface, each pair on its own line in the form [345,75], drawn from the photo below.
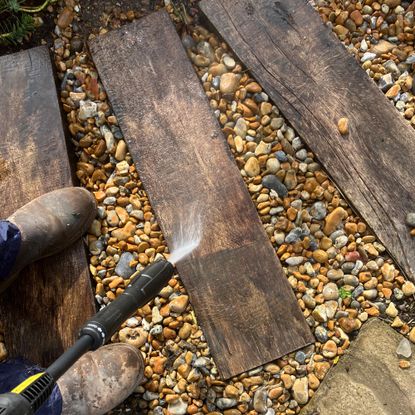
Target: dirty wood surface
[314,81]
[43,310]
[236,284]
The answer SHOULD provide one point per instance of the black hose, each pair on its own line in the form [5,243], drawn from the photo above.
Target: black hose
[65,361]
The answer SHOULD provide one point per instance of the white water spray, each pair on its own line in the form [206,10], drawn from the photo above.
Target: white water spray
[187,235]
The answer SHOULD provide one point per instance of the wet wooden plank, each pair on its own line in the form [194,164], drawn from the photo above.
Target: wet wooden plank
[236,283]
[314,81]
[44,309]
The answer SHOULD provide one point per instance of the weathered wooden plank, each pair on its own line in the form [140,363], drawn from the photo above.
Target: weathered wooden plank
[314,81]
[43,311]
[236,284]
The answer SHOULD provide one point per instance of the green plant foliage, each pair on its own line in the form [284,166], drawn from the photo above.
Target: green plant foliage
[11,6]
[180,10]
[14,29]
[16,21]
[344,293]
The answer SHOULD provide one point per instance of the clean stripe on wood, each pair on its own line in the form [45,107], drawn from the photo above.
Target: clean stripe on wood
[236,284]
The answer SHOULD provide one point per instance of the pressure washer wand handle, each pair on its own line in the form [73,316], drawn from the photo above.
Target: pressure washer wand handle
[105,323]
[142,290]
[28,397]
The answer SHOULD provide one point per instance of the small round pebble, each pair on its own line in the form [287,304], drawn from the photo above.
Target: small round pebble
[343,125]
[410,219]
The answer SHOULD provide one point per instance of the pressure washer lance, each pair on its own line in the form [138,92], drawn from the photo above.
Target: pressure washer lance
[28,397]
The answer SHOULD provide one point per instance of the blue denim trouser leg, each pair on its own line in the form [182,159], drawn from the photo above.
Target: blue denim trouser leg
[10,240]
[15,371]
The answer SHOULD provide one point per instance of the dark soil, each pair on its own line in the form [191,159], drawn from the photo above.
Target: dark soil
[42,35]
[96,14]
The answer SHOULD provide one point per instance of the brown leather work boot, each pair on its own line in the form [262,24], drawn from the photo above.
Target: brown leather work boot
[49,224]
[101,380]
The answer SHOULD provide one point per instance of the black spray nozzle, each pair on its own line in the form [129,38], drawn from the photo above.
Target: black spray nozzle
[139,292]
[152,279]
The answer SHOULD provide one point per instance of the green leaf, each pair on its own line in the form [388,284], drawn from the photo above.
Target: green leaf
[10,6]
[14,28]
[344,293]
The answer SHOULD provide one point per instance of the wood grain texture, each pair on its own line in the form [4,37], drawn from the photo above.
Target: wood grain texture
[314,81]
[44,309]
[235,281]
